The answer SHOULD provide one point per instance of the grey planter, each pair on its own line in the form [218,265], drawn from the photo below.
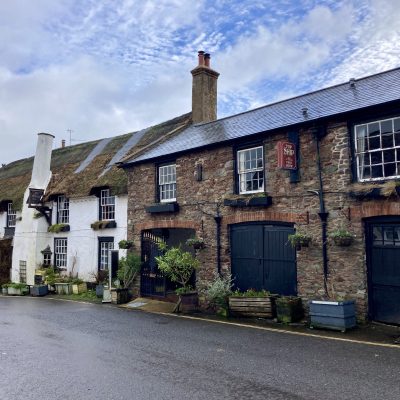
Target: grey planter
[39,290]
[336,315]
[63,288]
[99,290]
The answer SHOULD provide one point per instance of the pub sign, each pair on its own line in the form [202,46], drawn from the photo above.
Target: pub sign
[287,158]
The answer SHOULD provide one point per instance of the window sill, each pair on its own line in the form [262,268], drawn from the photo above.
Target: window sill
[255,201]
[163,208]
[103,225]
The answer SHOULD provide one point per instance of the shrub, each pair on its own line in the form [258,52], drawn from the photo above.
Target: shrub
[179,266]
[128,269]
[219,290]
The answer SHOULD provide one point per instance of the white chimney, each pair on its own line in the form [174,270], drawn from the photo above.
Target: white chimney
[41,165]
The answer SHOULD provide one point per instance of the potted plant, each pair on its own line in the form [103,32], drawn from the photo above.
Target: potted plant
[342,237]
[50,276]
[17,289]
[100,277]
[128,270]
[78,286]
[337,315]
[196,243]
[289,309]
[218,292]
[125,244]
[179,266]
[252,303]
[299,240]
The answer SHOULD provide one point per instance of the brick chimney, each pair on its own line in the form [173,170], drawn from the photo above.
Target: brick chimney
[204,90]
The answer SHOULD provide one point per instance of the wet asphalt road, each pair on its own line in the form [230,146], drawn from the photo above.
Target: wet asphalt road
[63,350]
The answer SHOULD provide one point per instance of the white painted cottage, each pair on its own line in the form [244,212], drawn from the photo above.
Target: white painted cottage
[68,206]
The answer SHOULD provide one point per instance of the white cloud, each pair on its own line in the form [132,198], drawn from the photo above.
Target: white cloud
[105,68]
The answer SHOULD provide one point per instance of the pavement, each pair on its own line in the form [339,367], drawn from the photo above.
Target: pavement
[366,333]
[373,333]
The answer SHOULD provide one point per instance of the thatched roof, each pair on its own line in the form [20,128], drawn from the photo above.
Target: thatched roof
[77,170]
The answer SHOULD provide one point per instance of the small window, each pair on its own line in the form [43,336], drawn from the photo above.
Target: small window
[60,253]
[22,271]
[167,183]
[62,210]
[11,216]
[105,246]
[107,205]
[377,147]
[250,170]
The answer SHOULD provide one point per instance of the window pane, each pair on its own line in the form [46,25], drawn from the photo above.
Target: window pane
[396,124]
[387,141]
[374,143]
[361,131]
[390,169]
[376,157]
[376,171]
[373,129]
[377,235]
[388,156]
[386,126]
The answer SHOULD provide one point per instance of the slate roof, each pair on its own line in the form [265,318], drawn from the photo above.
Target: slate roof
[369,91]
[77,169]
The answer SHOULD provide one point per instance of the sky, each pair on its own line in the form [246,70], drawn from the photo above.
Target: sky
[89,69]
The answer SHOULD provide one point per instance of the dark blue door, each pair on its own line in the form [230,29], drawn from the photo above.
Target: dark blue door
[383,241]
[263,259]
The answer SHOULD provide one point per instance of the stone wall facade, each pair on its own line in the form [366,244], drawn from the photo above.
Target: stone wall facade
[200,201]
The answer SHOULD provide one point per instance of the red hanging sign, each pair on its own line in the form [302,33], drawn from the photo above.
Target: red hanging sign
[286,155]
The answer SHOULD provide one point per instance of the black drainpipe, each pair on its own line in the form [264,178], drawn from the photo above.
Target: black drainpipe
[323,214]
[218,219]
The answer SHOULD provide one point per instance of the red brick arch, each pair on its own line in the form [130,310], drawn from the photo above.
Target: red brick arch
[255,216]
[168,223]
[376,209]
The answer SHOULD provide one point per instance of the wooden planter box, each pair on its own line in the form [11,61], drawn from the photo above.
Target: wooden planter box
[189,302]
[119,296]
[336,315]
[39,290]
[17,292]
[163,208]
[289,309]
[79,288]
[263,307]
[63,288]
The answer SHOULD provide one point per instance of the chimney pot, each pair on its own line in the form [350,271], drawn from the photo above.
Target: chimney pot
[207,60]
[201,57]
[352,82]
[62,143]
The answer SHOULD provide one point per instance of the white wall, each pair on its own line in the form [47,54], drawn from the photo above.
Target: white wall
[83,245]
[3,223]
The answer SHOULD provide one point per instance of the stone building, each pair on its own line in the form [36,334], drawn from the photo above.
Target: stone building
[314,164]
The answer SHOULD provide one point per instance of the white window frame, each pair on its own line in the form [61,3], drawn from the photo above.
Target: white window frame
[360,150]
[61,253]
[107,206]
[167,183]
[242,171]
[11,216]
[105,247]
[62,210]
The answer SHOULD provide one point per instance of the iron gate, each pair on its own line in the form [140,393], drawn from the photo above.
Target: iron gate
[152,281]
[262,258]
